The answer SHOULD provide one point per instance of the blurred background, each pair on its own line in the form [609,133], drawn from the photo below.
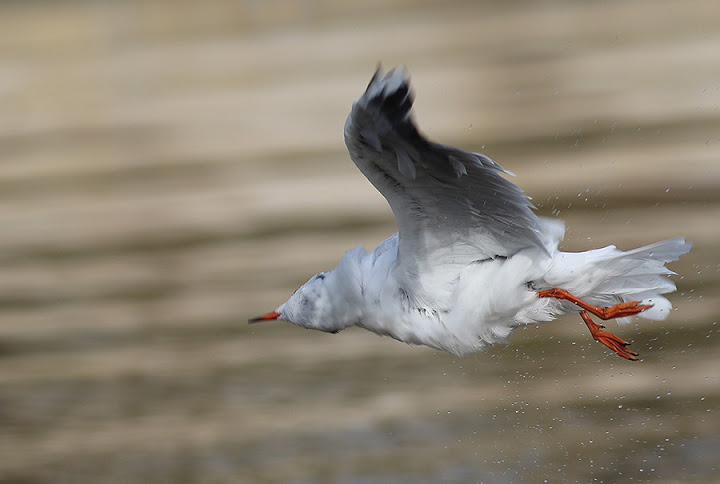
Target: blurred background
[170,168]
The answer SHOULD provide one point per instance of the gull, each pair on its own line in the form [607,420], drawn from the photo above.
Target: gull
[471,260]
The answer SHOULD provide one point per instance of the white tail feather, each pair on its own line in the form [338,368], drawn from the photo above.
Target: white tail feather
[607,276]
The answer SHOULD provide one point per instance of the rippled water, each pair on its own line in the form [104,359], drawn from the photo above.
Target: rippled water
[171,169]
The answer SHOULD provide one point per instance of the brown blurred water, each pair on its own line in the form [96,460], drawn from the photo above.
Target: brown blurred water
[169,169]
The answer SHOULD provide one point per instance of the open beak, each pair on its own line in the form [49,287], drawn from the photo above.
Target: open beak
[265,317]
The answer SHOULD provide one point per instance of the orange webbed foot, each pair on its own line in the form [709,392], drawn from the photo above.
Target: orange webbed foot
[617,311]
[615,343]
[618,345]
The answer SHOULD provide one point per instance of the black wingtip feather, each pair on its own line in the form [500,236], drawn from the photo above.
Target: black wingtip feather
[375,77]
[398,104]
[389,96]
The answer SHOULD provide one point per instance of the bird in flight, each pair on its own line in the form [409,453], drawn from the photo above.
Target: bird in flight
[471,260]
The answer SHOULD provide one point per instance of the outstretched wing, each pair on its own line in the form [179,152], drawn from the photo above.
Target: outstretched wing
[451,206]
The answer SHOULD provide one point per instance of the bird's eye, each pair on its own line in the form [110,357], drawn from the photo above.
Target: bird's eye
[320,276]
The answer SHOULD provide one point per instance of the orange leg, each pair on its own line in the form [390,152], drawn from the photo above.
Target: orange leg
[617,311]
[618,345]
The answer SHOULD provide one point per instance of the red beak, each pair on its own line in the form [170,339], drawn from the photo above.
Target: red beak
[265,317]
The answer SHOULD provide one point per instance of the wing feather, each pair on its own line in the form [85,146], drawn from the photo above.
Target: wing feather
[451,205]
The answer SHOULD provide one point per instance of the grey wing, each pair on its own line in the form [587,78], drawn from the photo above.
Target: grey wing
[451,205]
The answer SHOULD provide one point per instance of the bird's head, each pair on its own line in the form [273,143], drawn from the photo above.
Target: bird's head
[311,306]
